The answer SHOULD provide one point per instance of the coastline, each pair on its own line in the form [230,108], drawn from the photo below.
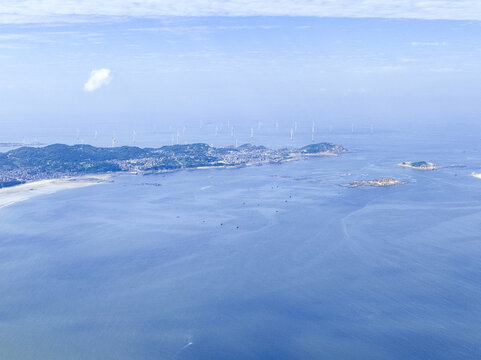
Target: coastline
[14,194]
[22,192]
[297,157]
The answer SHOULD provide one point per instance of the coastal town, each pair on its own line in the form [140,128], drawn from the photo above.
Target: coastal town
[28,164]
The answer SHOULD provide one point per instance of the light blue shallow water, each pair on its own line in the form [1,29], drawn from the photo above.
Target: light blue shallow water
[271,262]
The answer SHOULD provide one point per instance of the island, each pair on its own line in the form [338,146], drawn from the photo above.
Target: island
[376,183]
[419,165]
[28,164]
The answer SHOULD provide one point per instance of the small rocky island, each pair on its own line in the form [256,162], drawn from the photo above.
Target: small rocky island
[28,164]
[419,165]
[376,182]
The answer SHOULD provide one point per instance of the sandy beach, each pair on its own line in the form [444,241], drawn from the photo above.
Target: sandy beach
[15,194]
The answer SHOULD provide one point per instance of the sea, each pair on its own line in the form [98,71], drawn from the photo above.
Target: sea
[265,262]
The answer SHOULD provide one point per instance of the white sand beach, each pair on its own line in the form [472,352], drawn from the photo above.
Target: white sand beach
[15,194]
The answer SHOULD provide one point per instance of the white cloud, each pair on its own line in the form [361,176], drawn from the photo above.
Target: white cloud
[24,11]
[97,79]
[428,43]
[378,69]
[445,70]
[408,60]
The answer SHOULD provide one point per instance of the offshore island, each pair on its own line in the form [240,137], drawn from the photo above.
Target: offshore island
[376,183]
[418,165]
[34,164]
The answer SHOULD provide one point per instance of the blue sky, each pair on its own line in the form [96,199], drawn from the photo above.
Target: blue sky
[392,63]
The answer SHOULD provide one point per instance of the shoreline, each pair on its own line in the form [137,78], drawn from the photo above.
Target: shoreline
[298,157]
[18,193]
[22,192]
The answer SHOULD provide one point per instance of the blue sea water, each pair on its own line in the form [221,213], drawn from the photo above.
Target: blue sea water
[265,262]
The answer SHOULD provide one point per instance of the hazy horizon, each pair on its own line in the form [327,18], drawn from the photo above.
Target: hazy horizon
[169,72]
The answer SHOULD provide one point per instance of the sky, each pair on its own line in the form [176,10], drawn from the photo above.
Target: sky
[68,65]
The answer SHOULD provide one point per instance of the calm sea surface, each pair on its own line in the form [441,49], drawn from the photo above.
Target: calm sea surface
[271,262]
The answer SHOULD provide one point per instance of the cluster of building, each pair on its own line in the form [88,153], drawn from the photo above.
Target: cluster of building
[9,177]
[58,161]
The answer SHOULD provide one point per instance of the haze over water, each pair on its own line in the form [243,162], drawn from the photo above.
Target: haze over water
[269,262]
